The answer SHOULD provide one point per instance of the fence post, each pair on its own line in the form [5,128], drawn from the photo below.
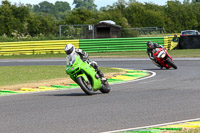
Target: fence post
[60,30]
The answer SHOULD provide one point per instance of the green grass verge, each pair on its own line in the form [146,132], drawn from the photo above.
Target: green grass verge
[129,54]
[197,130]
[185,53]
[12,75]
[143,54]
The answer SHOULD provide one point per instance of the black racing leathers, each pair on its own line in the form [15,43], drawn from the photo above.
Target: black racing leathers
[150,53]
[84,57]
[82,54]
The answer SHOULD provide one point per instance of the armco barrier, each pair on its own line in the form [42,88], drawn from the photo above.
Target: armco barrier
[35,47]
[118,44]
[88,45]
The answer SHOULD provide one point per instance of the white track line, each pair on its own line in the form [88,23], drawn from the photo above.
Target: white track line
[153,74]
[164,124]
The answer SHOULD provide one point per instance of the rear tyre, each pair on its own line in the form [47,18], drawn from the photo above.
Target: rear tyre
[85,86]
[171,63]
[105,87]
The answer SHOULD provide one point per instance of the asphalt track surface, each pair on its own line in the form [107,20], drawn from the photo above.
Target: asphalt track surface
[171,95]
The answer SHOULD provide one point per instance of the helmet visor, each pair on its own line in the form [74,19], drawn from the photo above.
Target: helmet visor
[68,52]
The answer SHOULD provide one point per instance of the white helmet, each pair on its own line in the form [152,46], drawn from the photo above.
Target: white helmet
[69,49]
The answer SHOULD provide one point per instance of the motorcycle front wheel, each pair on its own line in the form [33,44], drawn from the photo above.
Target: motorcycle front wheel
[171,63]
[85,86]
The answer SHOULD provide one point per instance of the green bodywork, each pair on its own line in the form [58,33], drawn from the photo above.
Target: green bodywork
[81,68]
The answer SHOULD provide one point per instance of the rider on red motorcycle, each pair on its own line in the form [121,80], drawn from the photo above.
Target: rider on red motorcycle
[150,47]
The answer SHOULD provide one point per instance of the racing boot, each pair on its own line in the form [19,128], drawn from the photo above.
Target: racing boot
[101,75]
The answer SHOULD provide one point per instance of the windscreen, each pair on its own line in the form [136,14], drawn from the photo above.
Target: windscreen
[190,33]
[70,59]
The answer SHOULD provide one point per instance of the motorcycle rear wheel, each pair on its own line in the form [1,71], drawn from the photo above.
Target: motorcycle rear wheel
[171,63]
[105,87]
[85,86]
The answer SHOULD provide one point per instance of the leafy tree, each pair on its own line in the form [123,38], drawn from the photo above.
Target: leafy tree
[62,6]
[79,16]
[45,7]
[196,1]
[182,16]
[172,11]
[45,17]
[12,18]
[134,14]
[186,1]
[37,24]
[59,10]
[88,4]
[6,18]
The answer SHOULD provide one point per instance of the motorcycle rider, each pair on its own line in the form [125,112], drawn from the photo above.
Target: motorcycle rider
[150,47]
[70,50]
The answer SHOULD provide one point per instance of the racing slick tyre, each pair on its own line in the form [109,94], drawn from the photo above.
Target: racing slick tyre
[171,63]
[85,86]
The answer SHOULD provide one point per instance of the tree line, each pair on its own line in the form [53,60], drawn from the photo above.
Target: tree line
[45,18]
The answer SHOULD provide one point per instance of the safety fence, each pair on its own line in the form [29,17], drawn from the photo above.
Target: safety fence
[35,47]
[88,45]
[118,44]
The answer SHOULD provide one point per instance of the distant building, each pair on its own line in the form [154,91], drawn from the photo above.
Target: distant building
[104,29]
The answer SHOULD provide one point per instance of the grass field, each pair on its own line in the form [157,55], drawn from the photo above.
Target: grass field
[11,75]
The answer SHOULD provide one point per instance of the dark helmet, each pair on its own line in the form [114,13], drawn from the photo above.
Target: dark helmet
[150,45]
[69,49]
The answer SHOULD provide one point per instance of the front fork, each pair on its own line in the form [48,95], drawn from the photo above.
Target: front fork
[84,77]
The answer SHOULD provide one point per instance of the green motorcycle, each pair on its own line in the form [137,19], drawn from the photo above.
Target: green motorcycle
[85,75]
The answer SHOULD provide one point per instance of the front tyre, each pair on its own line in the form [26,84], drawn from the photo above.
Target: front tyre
[105,87]
[85,86]
[171,63]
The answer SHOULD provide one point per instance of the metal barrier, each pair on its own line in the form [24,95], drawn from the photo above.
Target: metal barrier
[35,47]
[88,45]
[118,44]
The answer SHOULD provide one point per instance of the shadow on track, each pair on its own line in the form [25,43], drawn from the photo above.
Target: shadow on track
[158,69]
[71,94]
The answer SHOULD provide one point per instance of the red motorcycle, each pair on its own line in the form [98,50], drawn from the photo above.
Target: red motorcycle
[162,57]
